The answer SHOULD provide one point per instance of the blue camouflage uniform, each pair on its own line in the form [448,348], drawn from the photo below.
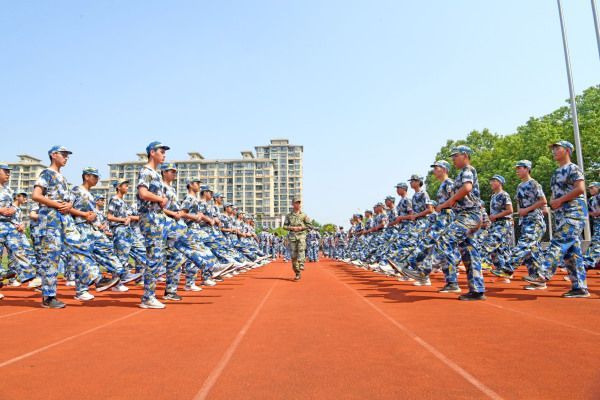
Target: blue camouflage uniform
[592,255]
[528,249]
[496,248]
[569,223]
[58,232]
[457,235]
[153,227]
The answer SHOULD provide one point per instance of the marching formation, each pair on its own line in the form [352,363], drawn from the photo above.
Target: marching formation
[412,238]
[201,237]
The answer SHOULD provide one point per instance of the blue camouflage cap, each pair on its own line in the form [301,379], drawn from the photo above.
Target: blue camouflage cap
[228,205]
[217,195]
[156,145]
[402,185]
[368,211]
[594,184]
[379,204]
[391,198]
[461,150]
[431,203]
[58,148]
[5,167]
[415,177]
[193,179]
[498,178]
[168,166]
[205,188]
[442,164]
[90,171]
[563,143]
[524,163]
[99,197]
[119,182]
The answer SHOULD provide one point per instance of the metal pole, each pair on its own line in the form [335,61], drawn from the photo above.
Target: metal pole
[586,235]
[596,24]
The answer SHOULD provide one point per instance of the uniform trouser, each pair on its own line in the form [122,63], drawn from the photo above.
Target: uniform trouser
[12,239]
[425,247]
[592,255]
[455,242]
[59,233]
[196,239]
[126,245]
[297,253]
[13,264]
[528,249]
[566,245]
[243,248]
[153,228]
[182,248]
[222,253]
[102,249]
[495,249]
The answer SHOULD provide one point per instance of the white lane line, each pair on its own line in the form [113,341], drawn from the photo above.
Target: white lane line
[449,363]
[18,313]
[59,342]
[489,303]
[210,381]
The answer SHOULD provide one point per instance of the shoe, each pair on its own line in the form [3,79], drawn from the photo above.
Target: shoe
[451,288]
[152,303]
[131,277]
[119,288]
[84,296]
[218,279]
[576,293]
[161,279]
[35,283]
[486,266]
[298,276]
[103,283]
[14,283]
[1,296]
[472,296]
[209,282]
[501,273]
[566,278]
[535,286]
[534,279]
[192,288]
[7,275]
[52,302]
[411,273]
[70,283]
[172,297]
[405,279]
[228,275]
[423,282]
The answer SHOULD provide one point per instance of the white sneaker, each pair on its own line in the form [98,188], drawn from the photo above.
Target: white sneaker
[15,283]
[424,282]
[35,282]
[85,296]
[192,288]
[405,279]
[70,283]
[161,279]
[120,288]
[209,282]
[152,303]
[229,275]
[235,273]
[1,296]
[536,286]
[566,278]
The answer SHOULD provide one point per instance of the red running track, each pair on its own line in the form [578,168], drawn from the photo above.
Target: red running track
[340,333]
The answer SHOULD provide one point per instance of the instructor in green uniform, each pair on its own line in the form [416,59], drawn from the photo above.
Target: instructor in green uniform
[298,224]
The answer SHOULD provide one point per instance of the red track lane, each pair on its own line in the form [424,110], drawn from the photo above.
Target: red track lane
[341,332]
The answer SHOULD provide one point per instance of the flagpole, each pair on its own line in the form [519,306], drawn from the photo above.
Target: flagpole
[586,234]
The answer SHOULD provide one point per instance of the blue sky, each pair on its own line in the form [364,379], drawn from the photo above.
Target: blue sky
[372,89]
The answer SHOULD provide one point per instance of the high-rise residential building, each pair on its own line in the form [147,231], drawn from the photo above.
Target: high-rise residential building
[24,173]
[287,159]
[262,185]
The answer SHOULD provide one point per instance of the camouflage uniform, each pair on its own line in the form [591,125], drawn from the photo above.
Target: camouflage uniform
[592,255]
[569,223]
[528,249]
[153,227]
[58,232]
[297,240]
[125,240]
[497,245]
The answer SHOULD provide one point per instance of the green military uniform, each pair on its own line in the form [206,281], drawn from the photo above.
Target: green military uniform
[297,240]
